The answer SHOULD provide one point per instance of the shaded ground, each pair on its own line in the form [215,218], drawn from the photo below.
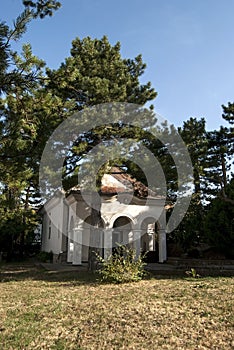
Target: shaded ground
[176,267]
[44,272]
[42,309]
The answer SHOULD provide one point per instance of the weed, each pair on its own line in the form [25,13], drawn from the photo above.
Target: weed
[192,273]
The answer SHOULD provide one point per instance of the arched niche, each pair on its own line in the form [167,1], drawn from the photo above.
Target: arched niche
[122,231]
[149,241]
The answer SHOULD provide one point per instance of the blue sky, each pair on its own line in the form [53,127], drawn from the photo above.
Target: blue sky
[188,46]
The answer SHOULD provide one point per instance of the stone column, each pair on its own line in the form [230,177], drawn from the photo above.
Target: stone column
[129,238]
[77,253]
[137,241]
[162,245]
[107,242]
[151,242]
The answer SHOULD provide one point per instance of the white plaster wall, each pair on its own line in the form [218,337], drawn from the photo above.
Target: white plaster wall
[138,213]
[111,209]
[54,213]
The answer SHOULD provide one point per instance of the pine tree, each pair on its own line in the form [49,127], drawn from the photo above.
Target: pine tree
[190,231]
[228,112]
[218,162]
[20,77]
[11,77]
[219,226]
[95,73]
[228,115]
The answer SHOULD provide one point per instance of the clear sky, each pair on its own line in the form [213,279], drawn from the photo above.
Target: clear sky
[188,46]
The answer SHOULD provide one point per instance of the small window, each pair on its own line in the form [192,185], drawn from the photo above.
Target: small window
[49,231]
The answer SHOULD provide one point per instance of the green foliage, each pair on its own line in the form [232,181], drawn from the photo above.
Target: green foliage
[122,267]
[22,130]
[45,256]
[219,223]
[36,101]
[228,112]
[193,133]
[192,273]
[190,231]
[42,8]
[17,230]
[220,154]
[20,25]
[211,153]
[11,76]
[95,73]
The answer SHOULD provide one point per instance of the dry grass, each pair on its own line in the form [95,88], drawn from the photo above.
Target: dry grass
[59,311]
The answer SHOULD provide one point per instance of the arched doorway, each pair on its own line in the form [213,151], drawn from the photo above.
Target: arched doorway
[122,232]
[149,239]
[88,241]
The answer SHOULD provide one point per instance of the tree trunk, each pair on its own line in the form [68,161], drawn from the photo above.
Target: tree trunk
[94,231]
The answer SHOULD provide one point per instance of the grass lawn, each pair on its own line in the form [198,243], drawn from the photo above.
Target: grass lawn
[42,310]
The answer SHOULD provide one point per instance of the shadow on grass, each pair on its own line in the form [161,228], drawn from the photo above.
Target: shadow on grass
[23,271]
[13,272]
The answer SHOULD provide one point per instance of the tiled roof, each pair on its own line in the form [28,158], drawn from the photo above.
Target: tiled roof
[124,183]
[118,181]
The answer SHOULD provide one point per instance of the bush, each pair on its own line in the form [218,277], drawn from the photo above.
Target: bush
[45,256]
[122,267]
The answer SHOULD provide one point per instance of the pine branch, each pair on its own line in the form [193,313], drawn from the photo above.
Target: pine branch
[42,8]
[20,26]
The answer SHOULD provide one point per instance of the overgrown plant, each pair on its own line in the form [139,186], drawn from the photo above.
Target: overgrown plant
[192,273]
[123,266]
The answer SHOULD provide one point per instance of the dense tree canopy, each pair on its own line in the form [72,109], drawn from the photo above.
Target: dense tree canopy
[219,223]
